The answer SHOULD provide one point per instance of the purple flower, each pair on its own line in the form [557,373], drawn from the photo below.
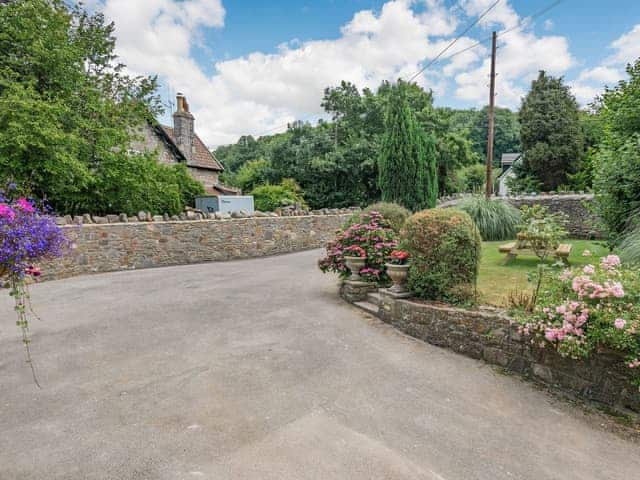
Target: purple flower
[27,236]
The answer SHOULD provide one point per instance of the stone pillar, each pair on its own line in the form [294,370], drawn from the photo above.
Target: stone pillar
[356,291]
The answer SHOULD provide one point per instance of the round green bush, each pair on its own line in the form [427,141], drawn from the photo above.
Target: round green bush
[444,245]
[393,213]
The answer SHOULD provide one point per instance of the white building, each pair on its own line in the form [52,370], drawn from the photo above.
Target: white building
[507,161]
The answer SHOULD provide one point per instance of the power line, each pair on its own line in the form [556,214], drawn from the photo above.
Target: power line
[453,42]
[520,24]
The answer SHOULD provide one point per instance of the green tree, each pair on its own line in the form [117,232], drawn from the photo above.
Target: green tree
[336,162]
[407,164]
[552,139]
[268,198]
[454,150]
[593,132]
[506,133]
[617,160]
[472,178]
[233,157]
[68,113]
[252,174]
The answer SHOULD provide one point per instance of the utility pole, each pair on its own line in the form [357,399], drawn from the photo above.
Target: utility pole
[492,95]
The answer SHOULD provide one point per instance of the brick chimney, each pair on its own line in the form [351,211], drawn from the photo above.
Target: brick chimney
[183,127]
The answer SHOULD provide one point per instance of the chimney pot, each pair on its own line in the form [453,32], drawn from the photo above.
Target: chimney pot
[183,126]
[180,102]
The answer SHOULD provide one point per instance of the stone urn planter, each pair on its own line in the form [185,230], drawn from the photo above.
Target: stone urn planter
[398,275]
[355,264]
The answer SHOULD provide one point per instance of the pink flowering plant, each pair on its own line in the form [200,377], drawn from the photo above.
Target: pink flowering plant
[585,310]
[372,235]
[27,236]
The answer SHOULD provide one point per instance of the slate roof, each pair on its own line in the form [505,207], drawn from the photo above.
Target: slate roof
[509,158]
[224,190]
[202,157]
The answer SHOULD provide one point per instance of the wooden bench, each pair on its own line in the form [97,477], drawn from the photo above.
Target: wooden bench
[507,247]
[513,249]
[563,251]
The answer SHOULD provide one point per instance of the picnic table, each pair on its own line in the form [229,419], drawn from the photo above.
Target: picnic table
[513,249]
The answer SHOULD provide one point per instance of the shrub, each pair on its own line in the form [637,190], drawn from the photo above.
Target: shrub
[374,236]
[395,215]
[268,198]
[583,310]
[444,245]
[495,219]
[472,178]
[617,185]
[540,230]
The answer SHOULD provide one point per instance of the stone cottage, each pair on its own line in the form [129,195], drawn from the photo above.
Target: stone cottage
[181,144]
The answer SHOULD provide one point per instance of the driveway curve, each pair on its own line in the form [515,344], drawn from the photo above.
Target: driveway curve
[255,369]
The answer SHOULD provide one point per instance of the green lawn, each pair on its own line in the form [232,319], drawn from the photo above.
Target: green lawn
[496,279]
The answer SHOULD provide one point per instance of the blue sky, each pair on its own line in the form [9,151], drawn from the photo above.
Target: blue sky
[254,25]
[250,66]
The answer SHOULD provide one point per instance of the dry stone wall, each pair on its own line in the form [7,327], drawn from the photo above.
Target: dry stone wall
[581,221]
[489,334]
[106,247]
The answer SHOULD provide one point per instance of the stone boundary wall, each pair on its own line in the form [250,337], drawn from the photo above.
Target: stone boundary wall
[127,246]
[489,334]
[581,221]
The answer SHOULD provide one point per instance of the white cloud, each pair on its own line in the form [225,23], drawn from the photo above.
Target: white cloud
[627,46]
[521,54]
[260,91]
[591,81]
[601,74]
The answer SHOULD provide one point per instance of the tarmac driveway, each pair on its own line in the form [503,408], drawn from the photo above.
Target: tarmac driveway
[255,369]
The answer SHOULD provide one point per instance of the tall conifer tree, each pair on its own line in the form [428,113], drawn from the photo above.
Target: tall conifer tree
[407,162]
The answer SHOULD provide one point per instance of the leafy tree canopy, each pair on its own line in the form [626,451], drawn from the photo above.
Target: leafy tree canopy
[68,113]
[617,157]
[335,162]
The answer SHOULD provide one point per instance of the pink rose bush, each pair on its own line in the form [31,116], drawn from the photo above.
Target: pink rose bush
[370,233]
[585,310]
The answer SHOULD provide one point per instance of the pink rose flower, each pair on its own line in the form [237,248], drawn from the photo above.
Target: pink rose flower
[566,275]
[589,270]
[620,323]
[610,262]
